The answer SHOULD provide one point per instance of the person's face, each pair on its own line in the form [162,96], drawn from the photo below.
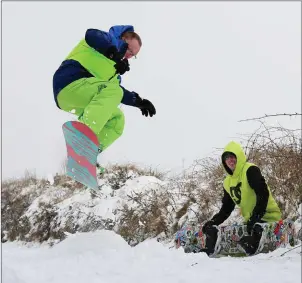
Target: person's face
[133,48]
[231,161]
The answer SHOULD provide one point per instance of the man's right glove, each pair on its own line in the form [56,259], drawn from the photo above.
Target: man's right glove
[145,106]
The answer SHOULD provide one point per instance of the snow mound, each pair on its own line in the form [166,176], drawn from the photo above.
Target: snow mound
[141,184]
[103,256]
[98,242]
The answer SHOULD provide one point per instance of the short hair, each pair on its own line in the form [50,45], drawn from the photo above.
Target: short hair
[131,35]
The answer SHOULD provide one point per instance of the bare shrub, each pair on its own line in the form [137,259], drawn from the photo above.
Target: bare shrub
[30,178]
[43,224]
[197,192]
[117,175]
[210,173]
[66,182]
[278,152]
[129,226]
[146,219]
[163,211]
[17,184]
[21,230]
[12,209]
[150,171]
[16,197]
[92,222]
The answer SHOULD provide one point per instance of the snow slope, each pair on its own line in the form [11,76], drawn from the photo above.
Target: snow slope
[80,209]
[103,256]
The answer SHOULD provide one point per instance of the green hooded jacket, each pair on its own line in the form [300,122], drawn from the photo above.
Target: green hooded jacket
[237,186]
[96,63]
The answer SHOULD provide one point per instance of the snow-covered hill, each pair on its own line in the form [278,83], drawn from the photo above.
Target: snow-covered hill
[133,205]
[139,207]
[103,256]
[120,235]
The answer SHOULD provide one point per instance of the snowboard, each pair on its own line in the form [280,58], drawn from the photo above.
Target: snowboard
[276,234]
[82,151]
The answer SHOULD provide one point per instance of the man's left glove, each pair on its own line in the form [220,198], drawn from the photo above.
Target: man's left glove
[252,224]
[256,217]
[207,226]
[145,106]
[122,65]
[249,226]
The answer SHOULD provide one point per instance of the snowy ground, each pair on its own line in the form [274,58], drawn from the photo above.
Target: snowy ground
[104,256]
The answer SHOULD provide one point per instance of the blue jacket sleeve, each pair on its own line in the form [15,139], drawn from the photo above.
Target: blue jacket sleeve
[129,97]
[99,40]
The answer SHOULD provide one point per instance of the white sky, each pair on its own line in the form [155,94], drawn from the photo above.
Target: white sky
[203,65]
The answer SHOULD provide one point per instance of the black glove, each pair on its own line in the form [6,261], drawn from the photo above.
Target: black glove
[208,226]
[122,65]
[145,106]
[256,217]
[250,225]
[216,220]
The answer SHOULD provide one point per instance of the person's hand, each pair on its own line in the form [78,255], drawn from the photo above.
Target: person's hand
[122,66]
[145,106]
[208,225]
[249,226]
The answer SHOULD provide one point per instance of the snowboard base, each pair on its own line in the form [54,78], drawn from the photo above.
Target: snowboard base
[275,235]
[82,151]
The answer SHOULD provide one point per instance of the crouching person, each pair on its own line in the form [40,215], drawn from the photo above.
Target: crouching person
[245,187]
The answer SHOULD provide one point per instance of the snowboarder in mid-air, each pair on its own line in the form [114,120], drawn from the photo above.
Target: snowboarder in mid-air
[88,82]
[244,186]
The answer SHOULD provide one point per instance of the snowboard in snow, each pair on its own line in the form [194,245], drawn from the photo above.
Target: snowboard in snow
[82,151]
[276,234]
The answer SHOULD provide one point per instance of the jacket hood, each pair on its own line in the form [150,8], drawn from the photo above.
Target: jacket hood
[237,150]
[116,33]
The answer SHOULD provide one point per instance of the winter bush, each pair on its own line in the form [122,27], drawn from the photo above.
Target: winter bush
[140,203]
[116,175]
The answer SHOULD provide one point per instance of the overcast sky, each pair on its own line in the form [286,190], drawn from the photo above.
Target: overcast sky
[203,65]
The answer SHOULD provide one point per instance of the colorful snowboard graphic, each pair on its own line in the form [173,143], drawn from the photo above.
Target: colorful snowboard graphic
[82,151]
[276,234]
